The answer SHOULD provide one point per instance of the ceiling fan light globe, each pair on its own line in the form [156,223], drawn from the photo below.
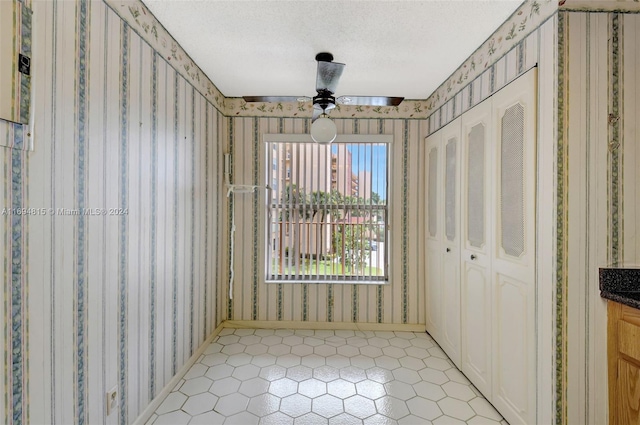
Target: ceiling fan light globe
[323,131]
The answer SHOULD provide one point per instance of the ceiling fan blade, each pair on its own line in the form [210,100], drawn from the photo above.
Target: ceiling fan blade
[317,111]
[370,100]
[276,98]
[328,76]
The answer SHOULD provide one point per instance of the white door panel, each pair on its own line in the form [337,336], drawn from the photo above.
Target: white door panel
[450,340]
[512,355]
[476,329]
[476,205]
[451,202]
[434,292]
[514,257]
[434,236]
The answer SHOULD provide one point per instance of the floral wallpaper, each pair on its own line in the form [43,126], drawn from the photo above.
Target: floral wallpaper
[600,5]
[136,14]
[526,19]
[530,15]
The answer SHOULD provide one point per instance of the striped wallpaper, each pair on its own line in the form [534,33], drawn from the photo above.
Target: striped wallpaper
[516,61]
[402,301]
[108,276]
[601,92]
[93,301]
[115,303]
[12,134]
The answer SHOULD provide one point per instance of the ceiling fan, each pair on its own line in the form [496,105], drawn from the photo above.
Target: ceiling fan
[327,78]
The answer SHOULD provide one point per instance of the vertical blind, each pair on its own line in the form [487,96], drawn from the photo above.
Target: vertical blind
[327,212]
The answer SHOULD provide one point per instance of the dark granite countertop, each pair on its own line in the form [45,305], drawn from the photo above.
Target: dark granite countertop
[621,284]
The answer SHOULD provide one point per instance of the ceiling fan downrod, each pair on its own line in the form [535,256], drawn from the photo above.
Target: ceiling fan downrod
[324,57]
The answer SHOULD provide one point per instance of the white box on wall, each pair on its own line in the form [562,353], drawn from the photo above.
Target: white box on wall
[15,61]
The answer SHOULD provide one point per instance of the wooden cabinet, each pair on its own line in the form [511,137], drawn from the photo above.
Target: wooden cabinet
[624,364]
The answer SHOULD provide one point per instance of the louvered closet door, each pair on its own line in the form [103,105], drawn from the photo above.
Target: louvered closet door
[476,246]
[450,340]
[434,236]
[514,260]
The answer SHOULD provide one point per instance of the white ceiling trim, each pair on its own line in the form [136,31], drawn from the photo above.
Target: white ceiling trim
[521,23]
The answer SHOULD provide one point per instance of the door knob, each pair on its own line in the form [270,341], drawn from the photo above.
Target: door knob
[473,257]
[448,249]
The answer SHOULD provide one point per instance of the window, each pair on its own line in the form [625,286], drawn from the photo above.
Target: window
[327,215]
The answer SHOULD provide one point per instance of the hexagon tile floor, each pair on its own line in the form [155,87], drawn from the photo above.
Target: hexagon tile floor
[266,376]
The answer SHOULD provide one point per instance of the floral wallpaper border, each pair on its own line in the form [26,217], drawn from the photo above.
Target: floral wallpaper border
[142,21]
[600,5]
[530,15]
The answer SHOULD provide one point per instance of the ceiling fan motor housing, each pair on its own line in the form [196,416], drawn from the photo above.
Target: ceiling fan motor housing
[325,100]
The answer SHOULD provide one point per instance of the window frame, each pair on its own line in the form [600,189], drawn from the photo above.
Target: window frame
[372,139]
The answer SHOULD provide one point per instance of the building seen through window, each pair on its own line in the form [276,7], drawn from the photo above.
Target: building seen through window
[327,212]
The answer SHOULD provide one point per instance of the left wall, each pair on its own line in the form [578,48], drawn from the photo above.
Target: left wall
[95,300]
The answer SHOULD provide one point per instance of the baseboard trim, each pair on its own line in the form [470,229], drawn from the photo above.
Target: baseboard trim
[157,401]
[292,324]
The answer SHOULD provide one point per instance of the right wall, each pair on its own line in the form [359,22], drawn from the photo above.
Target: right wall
[601,93]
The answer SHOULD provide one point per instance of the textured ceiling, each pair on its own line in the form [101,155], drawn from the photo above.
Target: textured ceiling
[391,48]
